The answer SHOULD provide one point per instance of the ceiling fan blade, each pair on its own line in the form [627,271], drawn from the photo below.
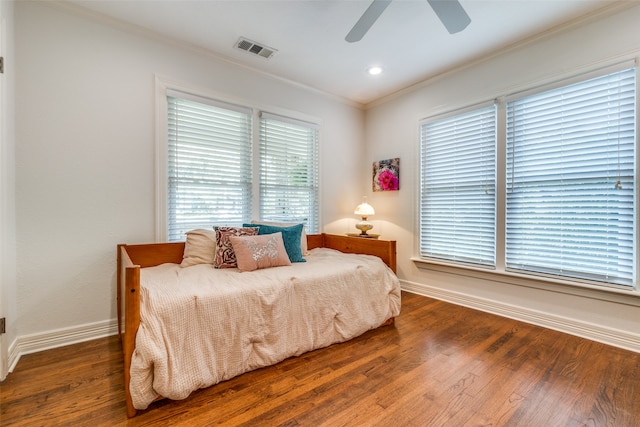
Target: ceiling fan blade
[368,18]
[451,13]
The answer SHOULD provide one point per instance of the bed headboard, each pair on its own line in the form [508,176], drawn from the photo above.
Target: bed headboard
[148,255]
[384,249]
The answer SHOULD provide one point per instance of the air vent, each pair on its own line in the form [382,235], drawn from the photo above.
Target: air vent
[255,48]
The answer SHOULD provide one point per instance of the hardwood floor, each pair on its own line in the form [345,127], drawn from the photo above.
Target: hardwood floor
[440,365]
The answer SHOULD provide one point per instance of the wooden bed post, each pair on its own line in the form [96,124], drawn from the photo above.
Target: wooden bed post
[119,290]
[128,292]
[132,322]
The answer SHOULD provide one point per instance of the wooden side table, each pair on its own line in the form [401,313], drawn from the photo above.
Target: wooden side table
[364,236]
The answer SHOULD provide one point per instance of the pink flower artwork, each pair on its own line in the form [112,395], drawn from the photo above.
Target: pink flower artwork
[386,175]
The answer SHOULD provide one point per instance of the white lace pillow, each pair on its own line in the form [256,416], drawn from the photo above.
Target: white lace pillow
[261,251]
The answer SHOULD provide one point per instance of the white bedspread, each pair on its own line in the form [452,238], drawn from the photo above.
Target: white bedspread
[200,326]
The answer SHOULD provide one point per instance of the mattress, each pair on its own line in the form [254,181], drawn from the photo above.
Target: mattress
[200,325]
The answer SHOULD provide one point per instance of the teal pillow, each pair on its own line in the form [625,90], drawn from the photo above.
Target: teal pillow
[290,235]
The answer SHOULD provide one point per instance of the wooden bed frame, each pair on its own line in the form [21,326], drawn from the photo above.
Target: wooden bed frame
[131,258]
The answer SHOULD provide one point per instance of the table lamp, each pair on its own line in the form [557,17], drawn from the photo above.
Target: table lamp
[364,209]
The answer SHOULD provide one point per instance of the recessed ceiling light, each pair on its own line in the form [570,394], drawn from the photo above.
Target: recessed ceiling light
[375,70]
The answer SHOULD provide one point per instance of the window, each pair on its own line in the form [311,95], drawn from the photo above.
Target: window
[209,165]
[570,180]
[210,174]
[288,171]
[568,197]
[457,200]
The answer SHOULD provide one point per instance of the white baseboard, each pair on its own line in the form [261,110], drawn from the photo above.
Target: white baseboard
[58,338]
[614,337]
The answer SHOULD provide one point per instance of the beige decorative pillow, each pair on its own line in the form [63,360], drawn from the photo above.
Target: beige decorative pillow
[256,252]
[303,237]
[200,248]
[225,257]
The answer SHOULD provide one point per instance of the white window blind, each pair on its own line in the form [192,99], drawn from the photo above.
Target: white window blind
[457,187]
[209,165]
[289,171]
[571,181]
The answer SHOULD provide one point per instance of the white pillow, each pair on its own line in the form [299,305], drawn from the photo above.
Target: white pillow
[303,237]
[200,247]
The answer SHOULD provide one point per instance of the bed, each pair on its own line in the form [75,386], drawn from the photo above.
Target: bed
[283,326]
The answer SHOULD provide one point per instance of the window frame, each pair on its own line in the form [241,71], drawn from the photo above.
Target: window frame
[311,188]
[165,86]
[601,102]
[192,120]
[580,287]
[477,114]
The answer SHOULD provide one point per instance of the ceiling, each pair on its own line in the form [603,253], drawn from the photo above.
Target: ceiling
[407,41]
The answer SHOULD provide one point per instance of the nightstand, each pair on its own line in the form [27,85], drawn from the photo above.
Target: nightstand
[364,236]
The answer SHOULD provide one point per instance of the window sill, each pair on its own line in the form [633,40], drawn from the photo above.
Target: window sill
[612,294]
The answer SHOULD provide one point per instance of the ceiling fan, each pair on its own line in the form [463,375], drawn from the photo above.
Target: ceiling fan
[450,12]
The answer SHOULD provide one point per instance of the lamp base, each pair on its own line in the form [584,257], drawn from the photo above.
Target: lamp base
[364,226]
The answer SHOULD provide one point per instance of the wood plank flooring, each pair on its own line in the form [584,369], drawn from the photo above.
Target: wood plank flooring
[440,365]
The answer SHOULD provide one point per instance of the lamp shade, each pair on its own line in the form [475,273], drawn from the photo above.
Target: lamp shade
[364,209]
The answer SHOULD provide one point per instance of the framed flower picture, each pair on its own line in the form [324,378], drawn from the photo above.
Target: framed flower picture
[386,175]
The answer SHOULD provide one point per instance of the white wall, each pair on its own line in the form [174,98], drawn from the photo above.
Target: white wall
[85,157]
[7,185]
[392,131]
